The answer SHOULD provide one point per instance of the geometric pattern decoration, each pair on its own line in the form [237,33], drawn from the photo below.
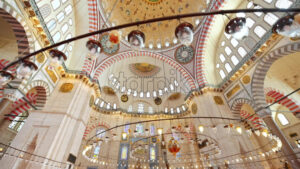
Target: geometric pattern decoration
[201,43]
[272,95]
[132,54]
[22,105]
[261,71]
[184,54]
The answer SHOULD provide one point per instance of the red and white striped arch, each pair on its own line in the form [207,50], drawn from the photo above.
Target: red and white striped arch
[94,25]
[91,128]
[131,54]
[236,107]
[201,43]
[21,30]
[272,95]
[22,105]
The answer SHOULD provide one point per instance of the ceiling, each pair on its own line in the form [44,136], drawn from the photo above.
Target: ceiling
[128,11]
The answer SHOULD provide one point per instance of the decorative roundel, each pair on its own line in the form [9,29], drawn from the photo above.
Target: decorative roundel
[157,101]
[124,98]
[184,54]
[194,108]
[108,47]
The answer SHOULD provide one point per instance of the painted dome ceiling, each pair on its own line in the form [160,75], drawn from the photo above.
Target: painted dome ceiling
[127,11]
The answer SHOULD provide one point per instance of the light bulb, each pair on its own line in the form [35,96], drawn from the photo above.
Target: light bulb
[124,136]
[239,130]
[201,128]
[160,131]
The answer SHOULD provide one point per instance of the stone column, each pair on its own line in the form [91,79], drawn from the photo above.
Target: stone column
[6,135]
[56,131]
[5,108]
[286,147]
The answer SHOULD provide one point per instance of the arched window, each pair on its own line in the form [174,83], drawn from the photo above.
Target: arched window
[283,4]
[51,25]
[55,4]
[259,31]
[282,119]
[222,74]
[234,60]
[228,67]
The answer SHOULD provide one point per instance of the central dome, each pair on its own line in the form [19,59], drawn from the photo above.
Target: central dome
[158,35]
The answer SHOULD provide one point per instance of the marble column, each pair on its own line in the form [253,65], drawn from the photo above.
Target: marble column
[56,131]
[286,147]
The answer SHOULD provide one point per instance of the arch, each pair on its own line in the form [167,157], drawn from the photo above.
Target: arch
[238,103]
[43,91]
[236,107]
[260,72]
[202,38]
[22,105]
[21,30]
[272,95]
[116,58]
[91,128]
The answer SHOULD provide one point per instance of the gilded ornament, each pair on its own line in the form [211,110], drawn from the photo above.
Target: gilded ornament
[194,108]
[66,87]
[174,96]
[40,58]
[233,91]
[92,100]
[51,74]
[218,100]
[124,98]
[108,90]
[246,79]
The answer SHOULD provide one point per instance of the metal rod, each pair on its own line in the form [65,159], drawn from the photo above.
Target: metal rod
[220,12]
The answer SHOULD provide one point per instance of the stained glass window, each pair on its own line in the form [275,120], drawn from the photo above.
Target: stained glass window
[124,153]
[98,131]
[152,153]
[139,128]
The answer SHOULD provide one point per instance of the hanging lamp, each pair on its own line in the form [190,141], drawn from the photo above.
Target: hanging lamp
[5,77]
[25,68]
[288,26]
[57,57]
[184,33]
[237,28]
[136,39]
[94,46]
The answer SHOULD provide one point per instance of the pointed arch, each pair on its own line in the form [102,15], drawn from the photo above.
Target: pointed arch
[262,68]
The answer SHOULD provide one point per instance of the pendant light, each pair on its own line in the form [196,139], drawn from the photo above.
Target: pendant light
[184,33]
[5,77]
[136,39]
[25,68]
[94,46]
[288,26]
[57,57]
[237,28]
